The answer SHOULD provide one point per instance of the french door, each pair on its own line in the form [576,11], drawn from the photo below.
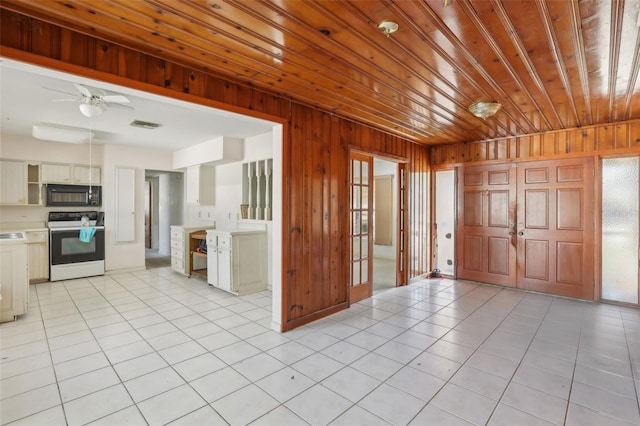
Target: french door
[528,225]
[360,212]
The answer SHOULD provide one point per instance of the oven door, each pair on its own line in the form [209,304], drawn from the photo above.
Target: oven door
[66,247]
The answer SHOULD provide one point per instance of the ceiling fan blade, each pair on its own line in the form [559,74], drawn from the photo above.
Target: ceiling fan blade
[117,105]
[121,99]
[64,100]
[61,91]
[83,90]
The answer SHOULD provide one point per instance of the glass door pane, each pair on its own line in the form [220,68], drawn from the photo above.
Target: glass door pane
[361,187]
[444,234]
[620,239]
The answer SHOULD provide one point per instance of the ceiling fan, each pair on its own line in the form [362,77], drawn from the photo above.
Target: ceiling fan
[93,101]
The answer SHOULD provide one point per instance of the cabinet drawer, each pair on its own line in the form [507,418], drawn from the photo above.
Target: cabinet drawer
[177,235]
[177,264]
[224,242]
[37,237]
[177,244]
[176,253]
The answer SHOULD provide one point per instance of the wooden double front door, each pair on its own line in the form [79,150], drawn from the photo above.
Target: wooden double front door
[529,225]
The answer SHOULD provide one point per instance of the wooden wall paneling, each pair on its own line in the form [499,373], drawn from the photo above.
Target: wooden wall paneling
[195,83]
[621,137]
[576,142]
[634,134]
[174,77]
[45,39]
[293,238]
[337,165]
[132,65]
[106,57]
[14,35]
[315,232]
[605,138]
[156,71]
[535,145]
[589,140]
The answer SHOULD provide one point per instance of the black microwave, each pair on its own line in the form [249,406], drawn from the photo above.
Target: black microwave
[74,195]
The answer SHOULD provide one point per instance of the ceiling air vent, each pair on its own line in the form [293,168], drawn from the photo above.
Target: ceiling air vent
[144,124]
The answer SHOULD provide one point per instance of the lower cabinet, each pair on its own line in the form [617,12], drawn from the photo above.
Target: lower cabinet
[237,260]
[38,255]
[14,281]
[180,248]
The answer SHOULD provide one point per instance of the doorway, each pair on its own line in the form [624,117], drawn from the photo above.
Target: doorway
[385,214]
[377,225]
[163,208]
[529,225]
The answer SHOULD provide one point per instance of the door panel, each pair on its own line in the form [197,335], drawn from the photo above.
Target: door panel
[555,227]
[361,183]
[486,247]
[529,226]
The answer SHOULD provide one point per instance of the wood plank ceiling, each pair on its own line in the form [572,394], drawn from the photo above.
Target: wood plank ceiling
[551,64]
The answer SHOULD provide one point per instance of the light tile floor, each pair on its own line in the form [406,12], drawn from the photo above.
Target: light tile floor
[154,348]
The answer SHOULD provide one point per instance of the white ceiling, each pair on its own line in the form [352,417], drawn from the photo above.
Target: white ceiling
[24,101]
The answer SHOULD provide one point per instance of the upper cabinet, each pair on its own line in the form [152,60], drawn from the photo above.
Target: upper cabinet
[20,183]
[13,182]
[70,174]
[56,173]
[201,185]
[85,175]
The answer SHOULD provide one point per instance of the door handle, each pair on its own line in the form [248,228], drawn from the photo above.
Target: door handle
[512,233]
[521,233]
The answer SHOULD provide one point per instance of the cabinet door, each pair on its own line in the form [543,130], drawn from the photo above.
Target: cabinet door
[58,173]
[13,182]
[224,269]
[85,175]
[38,262]
[200,185]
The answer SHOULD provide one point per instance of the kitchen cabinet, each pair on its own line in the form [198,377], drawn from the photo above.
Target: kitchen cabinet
[75,174]
[200,185]
[85,175]
[13,182]
[14,278]
[55,173]
[180,249]
[198,254]
[237,260]
[38,244]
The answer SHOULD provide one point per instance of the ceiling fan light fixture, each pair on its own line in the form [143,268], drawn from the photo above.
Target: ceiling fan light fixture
[484,109]
[89,109]
[388,27]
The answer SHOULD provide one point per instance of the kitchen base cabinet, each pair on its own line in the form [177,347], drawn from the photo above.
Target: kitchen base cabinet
[38,255]
[180,248]
[14,281]
[237,260]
